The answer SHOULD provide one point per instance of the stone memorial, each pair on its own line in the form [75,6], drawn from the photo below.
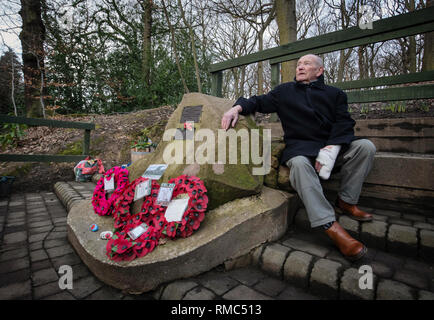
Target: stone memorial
[242,213]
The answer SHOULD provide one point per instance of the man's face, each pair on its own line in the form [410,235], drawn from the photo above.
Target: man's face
[308,69]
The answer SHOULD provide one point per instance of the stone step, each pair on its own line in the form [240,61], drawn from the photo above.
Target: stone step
[410,235]
[411,135]
[311,262]
[72,192]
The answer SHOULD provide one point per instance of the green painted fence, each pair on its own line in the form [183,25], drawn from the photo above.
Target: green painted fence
[417,22]
[87,127]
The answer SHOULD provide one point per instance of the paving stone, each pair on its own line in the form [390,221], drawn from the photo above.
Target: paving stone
[43,264]
[55,243]
[381,269]
[68,259]
[373,234]
[176,290]
[199,293]
[425,295]
[84,287]
[46,290]
[426,249]
[270,286]
[59,251]
[400,222]
[423,225]
[402,240]
[324,278]
[38,255]
[43,223]
[393,290]
[15,290]
[419,267]
[44,276]
[350,225]
[36,245]
[37,237]
[241,292]
[351,288]
[80,271]
[15,237]
[57,235]
[379,217]
[388,213]
[335,255]
[391,260]
[297,267]
[306,246]
[13,254]
[14,265]
[14,277]
[412,279]
[273,258]
[247,276]
[414,217]
[217,282]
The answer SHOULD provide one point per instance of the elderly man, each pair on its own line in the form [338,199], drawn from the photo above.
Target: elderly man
[317,129]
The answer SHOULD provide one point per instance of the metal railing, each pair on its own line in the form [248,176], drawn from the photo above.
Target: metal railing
[417,22]
[87,127]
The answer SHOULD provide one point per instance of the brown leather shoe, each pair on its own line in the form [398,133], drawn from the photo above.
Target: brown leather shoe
[351,248]
[352,211]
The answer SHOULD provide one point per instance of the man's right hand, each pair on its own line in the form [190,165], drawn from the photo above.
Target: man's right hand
[230,117]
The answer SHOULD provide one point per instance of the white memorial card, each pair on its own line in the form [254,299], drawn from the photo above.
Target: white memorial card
[142,190]
[175,210]
[155,171]
[138,231]
[165,193]
[109,185]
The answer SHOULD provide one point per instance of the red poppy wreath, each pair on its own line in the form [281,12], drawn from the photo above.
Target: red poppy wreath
[121,247]
[101,204]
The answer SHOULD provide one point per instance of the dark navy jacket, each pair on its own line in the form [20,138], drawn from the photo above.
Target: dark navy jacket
[312,115]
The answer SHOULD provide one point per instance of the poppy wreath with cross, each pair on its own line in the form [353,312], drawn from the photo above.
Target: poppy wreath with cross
[101,204]
[195,212]
[121,247]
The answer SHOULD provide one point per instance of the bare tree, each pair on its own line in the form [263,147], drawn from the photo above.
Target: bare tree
[193,45]
[287,22]
[32,38]
[173,41]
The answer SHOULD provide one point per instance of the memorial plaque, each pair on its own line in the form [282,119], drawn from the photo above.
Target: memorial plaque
[191,113]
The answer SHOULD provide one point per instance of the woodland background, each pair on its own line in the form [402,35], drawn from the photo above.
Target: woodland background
[115,56]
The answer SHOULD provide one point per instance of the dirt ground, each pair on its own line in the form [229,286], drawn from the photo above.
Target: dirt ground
[111,140]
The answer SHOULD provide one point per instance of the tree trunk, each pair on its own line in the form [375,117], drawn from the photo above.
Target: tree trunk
[410,5]
[175,51]
[287,24]
[428,59]
[193,46]
[146,47]
[260,64]
[32,38]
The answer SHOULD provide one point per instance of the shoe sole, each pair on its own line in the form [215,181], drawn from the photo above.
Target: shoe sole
[339,210]
[358,256]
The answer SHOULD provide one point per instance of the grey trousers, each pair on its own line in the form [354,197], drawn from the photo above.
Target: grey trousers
[356,163]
